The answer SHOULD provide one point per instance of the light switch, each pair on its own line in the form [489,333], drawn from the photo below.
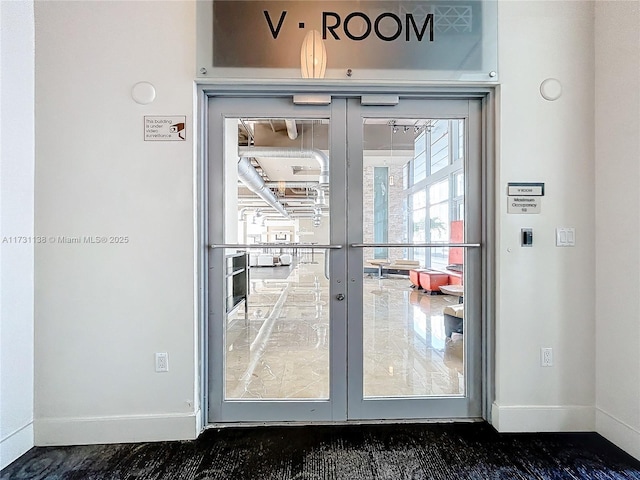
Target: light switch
[565,237]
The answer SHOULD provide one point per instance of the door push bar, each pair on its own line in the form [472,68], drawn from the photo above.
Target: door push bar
[416,245]
[274,245]
[337,247]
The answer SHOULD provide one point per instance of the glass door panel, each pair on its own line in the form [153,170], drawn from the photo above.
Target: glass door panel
[409,348]
[277,345]
[416,333]
[271,337]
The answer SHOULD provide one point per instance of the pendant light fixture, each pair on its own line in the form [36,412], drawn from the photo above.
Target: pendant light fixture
[313,56]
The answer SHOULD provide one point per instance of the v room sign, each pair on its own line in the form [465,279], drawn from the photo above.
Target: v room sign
[425,39]
[387,26]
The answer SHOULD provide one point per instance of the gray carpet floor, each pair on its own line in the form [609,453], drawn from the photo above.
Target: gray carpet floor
[395,452]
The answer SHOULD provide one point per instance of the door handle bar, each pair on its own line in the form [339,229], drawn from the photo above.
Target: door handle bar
[274,245]
[337,247]
[416,245]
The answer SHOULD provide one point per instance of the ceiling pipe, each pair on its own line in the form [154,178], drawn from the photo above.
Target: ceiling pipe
[254,202]
[288,184]
[289,208]
[275,152]
[292,129]
[254,182]
[302,210]
[321,199]
[250,200]
[242,214]
[320,194]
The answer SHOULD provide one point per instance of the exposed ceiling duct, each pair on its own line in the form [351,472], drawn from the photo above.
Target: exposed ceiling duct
[274,152]
[305,187]
[290,184]
[292,129]
[254,182]
[321,199]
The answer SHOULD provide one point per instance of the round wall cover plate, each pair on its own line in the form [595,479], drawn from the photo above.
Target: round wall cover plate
[143,93]
[551,89]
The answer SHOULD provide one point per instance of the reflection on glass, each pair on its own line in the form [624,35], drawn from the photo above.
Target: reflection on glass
[381,186]
[440,153]
[420,156]
[459,183]
[413,332]
[439,223]
[277,336]
[439,192]
[459,125]
[407,351]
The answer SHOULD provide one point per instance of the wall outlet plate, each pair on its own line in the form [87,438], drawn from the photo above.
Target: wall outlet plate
[546,357]
[162,362]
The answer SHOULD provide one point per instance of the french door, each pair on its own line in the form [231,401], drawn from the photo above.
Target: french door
[344,259]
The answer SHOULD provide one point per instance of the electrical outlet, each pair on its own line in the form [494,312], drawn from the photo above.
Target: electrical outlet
[162,362]
[546,357]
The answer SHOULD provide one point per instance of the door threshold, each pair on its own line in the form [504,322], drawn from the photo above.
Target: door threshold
[343,422]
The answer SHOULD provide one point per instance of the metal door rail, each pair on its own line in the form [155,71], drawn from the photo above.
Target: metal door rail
[274,245]
[416,245]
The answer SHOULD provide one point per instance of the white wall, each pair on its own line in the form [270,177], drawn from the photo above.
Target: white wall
[545,294]
[618,222]
[102,311]
[16,219]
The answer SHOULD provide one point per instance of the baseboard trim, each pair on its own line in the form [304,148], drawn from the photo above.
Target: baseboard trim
[543,418]
[618,432]
[16,444]
[115,429]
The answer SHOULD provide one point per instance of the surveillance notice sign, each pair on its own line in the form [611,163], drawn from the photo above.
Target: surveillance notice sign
[162,129]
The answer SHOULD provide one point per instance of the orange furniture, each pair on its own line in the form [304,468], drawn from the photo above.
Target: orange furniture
[456,254]
[431,280]
[455,278]
[414,276]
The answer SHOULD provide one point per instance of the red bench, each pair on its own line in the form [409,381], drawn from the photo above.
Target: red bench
[431,280]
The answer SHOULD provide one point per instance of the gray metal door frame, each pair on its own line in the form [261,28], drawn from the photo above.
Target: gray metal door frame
[210,205]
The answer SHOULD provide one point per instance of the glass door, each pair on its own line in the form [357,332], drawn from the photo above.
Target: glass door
[345,260]
[277,280]
[414,242]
